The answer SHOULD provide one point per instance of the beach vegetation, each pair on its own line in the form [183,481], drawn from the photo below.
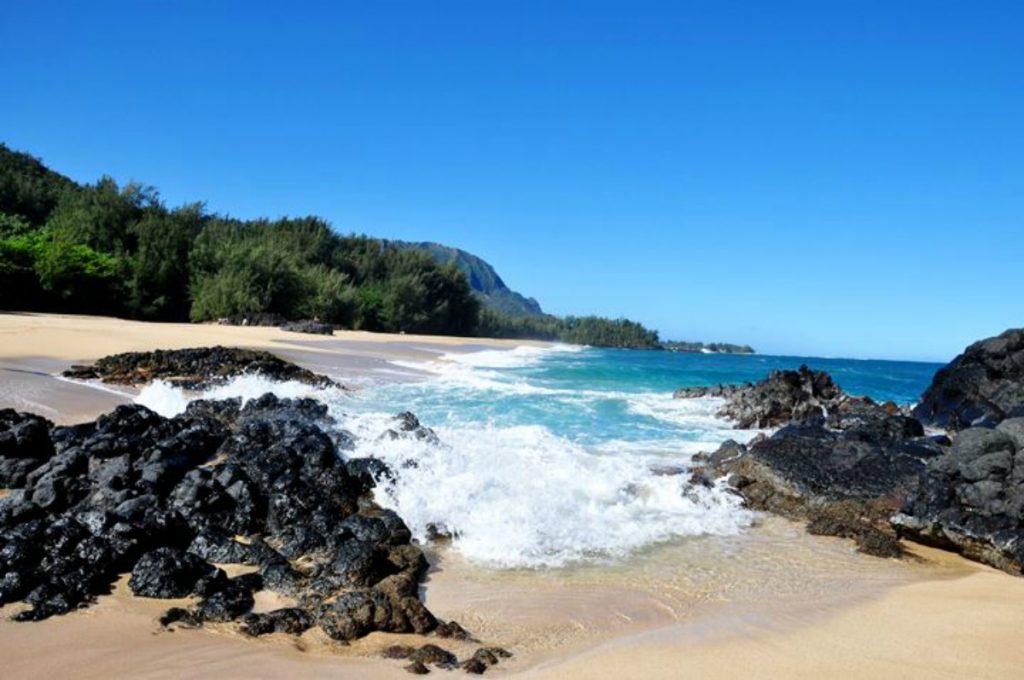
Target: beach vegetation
[120,250]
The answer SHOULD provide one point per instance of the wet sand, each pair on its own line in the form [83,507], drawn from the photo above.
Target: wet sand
[961,622]
[773,602]
[35,348]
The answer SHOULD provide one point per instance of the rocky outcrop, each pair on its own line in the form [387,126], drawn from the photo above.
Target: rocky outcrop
[782,397]
[306,326]
[972,499]
[165,499]
[24,445]
[843,464]
[979,388]
[168,573]
[197,368]
[844,482]
[866,471]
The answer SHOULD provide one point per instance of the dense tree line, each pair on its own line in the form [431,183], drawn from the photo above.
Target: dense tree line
[585,330]
[108,249]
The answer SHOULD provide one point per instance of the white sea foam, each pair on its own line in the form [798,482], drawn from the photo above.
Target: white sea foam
[169,401]
[521,356]
[164,398]
[521,495]
[524,497]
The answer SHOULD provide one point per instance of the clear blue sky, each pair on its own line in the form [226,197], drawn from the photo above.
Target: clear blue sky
[825,178]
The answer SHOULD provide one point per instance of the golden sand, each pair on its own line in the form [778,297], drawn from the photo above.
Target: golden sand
[35,348]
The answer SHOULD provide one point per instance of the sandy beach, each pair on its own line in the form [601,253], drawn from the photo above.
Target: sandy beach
[772,602]
[35,348]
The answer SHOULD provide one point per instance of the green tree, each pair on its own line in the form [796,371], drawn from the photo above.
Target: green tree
[160,282]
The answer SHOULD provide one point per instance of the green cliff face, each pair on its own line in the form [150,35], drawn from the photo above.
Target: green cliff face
[484,281]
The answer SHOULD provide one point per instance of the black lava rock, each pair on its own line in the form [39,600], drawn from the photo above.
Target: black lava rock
[971,500]
[782,397]
[229,599]
[842,463]
[168,573]
[981,387]
[24,445]
[435,656]
[168,498]
[196,368]
[407,426]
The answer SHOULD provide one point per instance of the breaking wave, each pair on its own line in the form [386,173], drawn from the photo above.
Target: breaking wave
[527,471]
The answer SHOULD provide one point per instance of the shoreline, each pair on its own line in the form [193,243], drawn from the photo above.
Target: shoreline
[943,617]
[772,602]
[35,348]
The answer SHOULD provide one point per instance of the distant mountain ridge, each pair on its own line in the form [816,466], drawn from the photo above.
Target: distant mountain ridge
[482,277]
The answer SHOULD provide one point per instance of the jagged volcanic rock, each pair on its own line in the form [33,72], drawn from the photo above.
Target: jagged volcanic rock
[981,387]
[843,483]
[168,498]
[24,446]
[845,464]
[196,368]
[782,397]
[168,573]
[972,499]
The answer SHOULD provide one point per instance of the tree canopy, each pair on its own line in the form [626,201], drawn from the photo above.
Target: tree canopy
[103,248]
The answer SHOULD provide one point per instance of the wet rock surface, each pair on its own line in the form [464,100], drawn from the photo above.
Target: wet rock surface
[844,483]
[197,368]
[783,397]
[168,499]
[407,426]
[980,388]
[844,464]
[868,472]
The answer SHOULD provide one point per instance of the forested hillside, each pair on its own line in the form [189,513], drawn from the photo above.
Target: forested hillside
[104,248]
[483,279]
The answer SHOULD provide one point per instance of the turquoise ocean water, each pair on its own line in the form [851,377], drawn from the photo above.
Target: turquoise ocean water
[594,395]
[547,457]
